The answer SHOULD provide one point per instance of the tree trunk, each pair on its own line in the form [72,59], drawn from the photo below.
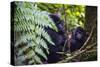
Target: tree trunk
[91,22]
[91,17]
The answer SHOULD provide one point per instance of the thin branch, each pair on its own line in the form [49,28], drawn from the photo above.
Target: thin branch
[64,9]
[64,45]
[91,51]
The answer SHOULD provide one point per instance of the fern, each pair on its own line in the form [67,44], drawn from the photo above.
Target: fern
[29,24]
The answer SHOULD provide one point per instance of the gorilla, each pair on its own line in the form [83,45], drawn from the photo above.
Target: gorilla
[57,37]
[78,37]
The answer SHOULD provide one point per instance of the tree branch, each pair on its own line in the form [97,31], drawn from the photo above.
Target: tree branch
[77,54]
[64,9]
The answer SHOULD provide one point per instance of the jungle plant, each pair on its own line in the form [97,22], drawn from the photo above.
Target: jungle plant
[30,38]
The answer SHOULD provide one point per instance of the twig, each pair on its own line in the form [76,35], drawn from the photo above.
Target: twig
[61,53]
[64,45]
[66,25]
[76,54]
[91,51]
[65,16]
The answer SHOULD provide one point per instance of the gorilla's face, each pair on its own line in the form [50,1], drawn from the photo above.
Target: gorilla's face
[79,33]
[60,27]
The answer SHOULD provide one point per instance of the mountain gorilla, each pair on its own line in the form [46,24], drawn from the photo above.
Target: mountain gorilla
[78,37]
[57,37]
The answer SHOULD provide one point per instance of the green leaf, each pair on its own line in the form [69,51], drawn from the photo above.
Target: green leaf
[37,59]
[40,51]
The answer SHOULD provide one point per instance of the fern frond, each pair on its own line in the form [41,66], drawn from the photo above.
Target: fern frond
[29,25]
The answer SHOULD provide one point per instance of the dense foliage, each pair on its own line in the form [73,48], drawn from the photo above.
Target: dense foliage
[29,24]
[73,15]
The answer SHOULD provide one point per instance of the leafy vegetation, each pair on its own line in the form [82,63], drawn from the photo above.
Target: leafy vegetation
[29,24]
[74,15]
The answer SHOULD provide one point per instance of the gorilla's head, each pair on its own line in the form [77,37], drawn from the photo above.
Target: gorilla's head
[58,22]
[79,33]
